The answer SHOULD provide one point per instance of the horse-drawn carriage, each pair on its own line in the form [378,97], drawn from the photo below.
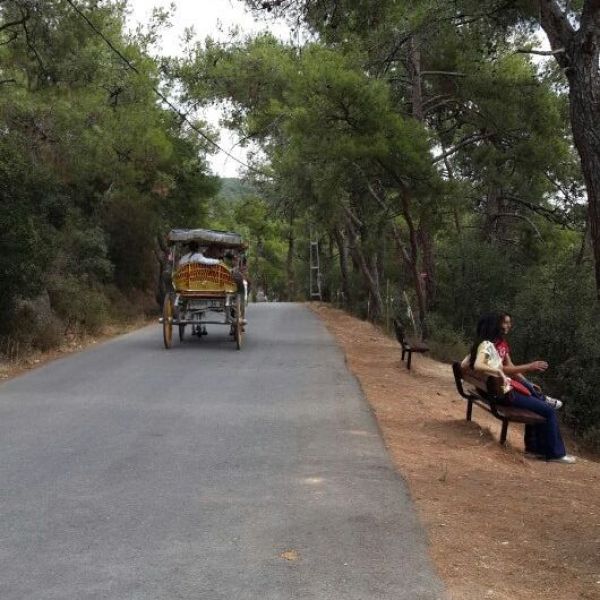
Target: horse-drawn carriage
[208,283]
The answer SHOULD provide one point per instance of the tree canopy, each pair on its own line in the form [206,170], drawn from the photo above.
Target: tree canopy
[442,163]
[435,157]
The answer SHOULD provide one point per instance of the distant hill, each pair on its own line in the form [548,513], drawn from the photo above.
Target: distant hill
[234,189]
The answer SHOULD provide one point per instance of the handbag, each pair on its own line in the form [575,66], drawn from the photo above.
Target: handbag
[517,386]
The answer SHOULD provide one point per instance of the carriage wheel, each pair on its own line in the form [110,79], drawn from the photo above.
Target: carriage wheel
[238,327]
[181,332]
[168,321]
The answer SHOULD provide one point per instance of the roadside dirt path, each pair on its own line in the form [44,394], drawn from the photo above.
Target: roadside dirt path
[500,526]
[70,345]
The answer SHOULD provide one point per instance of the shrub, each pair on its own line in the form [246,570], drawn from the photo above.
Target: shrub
[35,326]
[445,343]
[49,334]
[79,304]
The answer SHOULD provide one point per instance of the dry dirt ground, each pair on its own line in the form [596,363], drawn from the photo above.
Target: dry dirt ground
[499,526]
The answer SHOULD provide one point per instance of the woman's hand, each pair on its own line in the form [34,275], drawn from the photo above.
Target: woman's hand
[538,365]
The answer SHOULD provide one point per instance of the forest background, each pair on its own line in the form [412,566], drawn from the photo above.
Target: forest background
[445,155]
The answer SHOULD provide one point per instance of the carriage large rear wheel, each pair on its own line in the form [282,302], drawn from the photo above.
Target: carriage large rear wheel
[238,326]
[168,320]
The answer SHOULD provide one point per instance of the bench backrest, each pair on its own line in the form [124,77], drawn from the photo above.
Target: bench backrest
[399,331]
[489,387]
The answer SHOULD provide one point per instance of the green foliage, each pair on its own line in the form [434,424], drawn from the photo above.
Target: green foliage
[78,304]
[424,153]
[23,242]
[446,343]
[474,277]
[263,231]
[92,169]
[35,326]
[568,338]
[439,158]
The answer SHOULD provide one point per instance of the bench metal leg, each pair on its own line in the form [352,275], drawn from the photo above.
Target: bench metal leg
[403,353]
[409,359]
[504,431]
[469,409]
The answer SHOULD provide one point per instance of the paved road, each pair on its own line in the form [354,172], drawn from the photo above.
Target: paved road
[129,472]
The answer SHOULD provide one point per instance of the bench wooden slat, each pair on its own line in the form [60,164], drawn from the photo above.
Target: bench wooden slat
[520,415]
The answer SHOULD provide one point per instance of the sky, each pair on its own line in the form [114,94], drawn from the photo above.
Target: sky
[212,18]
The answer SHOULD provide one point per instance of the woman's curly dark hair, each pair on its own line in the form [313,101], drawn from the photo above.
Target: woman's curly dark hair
[488,328]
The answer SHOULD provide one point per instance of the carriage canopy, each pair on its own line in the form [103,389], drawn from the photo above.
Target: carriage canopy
[226,239]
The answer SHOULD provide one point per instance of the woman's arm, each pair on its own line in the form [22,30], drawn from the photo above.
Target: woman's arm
[517,370]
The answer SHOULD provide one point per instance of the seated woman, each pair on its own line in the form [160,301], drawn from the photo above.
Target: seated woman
[542,440]
[517,371]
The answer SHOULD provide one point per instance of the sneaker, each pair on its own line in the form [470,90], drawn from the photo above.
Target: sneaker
[567,459]
[554,402]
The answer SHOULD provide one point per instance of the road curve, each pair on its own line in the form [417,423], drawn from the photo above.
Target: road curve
[129,472]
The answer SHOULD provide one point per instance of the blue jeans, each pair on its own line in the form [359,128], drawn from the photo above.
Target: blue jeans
[532,389]
[545,438]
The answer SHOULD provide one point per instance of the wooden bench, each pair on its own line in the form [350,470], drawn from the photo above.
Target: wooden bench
[408,346]
[486,394]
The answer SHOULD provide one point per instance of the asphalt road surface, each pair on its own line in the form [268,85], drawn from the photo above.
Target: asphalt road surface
[131,472]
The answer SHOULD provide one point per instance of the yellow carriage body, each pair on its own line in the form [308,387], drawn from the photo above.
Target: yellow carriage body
[198,279]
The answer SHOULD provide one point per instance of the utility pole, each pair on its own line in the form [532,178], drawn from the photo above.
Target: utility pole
[315,269]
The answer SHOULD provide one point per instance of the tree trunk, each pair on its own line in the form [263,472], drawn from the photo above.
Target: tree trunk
[289,263]
[342,245]
[414,64]
[427,247]
[578,53]
[421,239]
[371,277]
[413,264]
[585,122]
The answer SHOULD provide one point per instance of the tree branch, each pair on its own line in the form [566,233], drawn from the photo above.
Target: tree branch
[550,215]
[557,27]
[432,107]
[13,37]
[517,216]
[352,217]
[450,73]
[540,52]
[464,142]
[25,14]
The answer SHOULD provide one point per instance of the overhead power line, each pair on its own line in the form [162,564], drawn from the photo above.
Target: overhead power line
[183,116]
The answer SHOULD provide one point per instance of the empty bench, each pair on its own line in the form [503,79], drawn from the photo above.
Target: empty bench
[408,346]
[485,393]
